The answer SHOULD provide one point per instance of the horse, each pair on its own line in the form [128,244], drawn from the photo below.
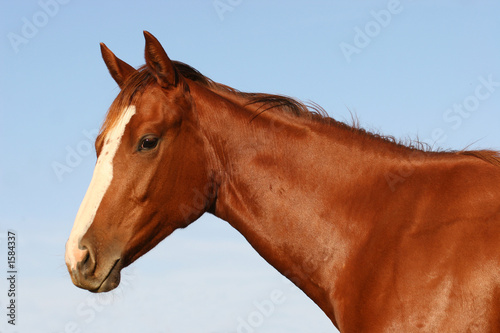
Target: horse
[382,236]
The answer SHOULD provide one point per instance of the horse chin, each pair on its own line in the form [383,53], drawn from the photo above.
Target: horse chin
[112,279]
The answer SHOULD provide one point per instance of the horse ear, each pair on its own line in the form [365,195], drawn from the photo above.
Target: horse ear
[119,69]
[159,63]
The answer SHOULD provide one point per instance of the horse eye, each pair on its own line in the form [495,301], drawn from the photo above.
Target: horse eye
[148,143]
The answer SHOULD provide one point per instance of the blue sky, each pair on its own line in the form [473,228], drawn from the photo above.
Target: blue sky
[404,68]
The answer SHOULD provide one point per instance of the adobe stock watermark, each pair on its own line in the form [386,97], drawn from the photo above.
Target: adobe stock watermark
[262,310]
[364,36]
[88,310]
[454,118]
[31,26]
[75,155]
[460,111]
[293,282]
[224,6]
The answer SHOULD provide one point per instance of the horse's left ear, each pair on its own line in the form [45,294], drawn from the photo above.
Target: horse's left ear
[159,63]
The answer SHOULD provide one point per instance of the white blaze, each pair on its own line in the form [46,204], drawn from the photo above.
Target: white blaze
[101,179]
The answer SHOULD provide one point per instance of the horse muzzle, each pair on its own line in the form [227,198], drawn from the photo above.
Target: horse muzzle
[91,274]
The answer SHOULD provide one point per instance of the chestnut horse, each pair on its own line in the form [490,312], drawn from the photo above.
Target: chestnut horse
[383,237]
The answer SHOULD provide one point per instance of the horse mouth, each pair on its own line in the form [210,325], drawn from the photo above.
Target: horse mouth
[111,280]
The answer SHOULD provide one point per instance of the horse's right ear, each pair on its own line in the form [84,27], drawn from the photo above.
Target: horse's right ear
[119,69]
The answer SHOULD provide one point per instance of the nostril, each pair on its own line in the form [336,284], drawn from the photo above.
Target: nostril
[85,262]
[79,254]
[85,257]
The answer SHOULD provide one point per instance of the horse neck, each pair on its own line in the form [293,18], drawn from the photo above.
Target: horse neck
[295,188]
